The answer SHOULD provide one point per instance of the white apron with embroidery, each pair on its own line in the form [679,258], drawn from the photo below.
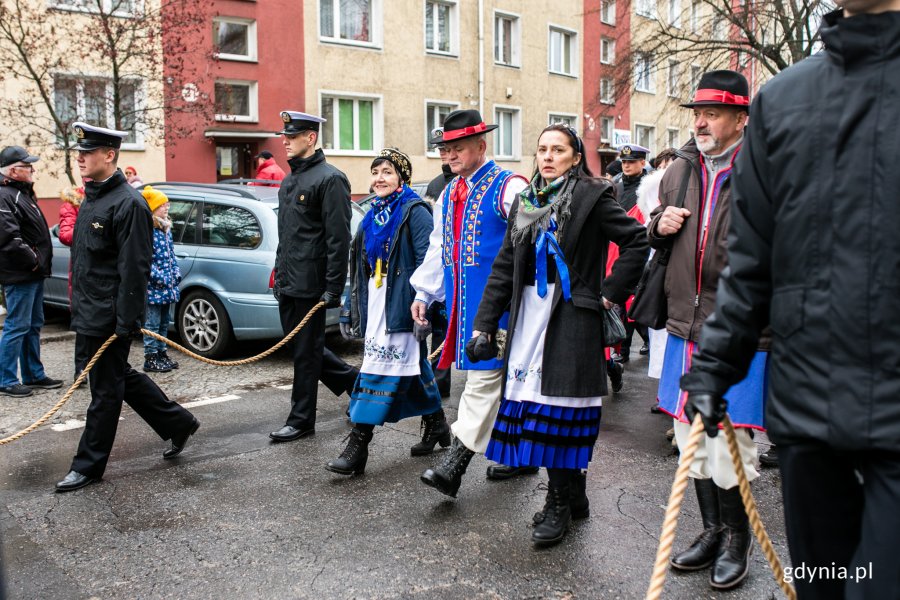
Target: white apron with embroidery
[394,354]
[523,378]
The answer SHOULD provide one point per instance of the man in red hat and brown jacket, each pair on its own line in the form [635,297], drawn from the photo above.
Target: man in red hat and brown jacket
[695,229]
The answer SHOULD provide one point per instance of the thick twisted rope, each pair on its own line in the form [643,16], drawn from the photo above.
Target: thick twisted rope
[243,361]
[81,377]
[221,363]
[670,523]
[750,507]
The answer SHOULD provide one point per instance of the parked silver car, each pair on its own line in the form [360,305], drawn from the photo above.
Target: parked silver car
[225,239]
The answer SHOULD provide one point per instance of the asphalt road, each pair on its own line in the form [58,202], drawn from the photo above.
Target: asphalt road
[239,517]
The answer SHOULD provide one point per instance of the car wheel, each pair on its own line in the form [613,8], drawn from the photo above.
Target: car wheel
[203,324]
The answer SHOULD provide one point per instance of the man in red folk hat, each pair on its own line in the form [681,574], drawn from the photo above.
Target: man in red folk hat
[695,227]
[469,225]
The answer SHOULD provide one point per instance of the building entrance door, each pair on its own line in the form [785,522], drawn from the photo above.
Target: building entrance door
[235,161]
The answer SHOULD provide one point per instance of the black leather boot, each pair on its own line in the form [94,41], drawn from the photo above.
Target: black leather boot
[435,430]
[733,560]
[578,500]
[352,460]
[557,516]
[447,476]
[702,552]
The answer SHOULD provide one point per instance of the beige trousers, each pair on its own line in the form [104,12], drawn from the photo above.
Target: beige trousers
[713,460]
[478,408]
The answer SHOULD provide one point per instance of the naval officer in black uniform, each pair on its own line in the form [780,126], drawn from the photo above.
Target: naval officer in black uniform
[111,253]
[310,267]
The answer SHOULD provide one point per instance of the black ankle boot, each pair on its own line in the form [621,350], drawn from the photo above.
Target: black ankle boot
[733,560]
[703,551]
[447,476]
[435,430]
[352,460]
[164,356]
[578,500]
[557,516]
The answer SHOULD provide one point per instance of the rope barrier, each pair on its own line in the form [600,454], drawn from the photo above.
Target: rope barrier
[670,522]
[221,363]
[81,377]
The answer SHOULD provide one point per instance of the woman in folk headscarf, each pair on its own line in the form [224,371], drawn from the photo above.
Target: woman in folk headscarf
[550,273]
[395,380]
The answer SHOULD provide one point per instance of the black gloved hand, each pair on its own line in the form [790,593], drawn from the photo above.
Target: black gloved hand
[711,408]
[330,299]
[132,334]
[483,347]
[421,332]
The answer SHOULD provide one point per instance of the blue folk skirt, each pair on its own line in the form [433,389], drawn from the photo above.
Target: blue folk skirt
[529,434]
[380,399]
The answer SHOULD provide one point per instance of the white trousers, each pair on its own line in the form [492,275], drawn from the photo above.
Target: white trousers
[713,460]
[478,408]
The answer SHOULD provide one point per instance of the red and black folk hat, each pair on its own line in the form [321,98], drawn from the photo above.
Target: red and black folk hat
[462,124]
[722,88]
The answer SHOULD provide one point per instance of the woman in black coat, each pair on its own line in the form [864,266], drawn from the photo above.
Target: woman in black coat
[550,273]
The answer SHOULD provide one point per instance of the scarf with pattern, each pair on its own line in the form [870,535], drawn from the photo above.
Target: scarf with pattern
[538,202]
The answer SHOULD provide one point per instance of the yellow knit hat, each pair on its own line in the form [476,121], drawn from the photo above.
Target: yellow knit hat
[154,198]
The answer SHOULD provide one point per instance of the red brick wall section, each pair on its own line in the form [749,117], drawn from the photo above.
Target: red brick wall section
[280,85]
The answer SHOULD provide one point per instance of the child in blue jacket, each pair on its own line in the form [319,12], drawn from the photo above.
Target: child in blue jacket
[162,289]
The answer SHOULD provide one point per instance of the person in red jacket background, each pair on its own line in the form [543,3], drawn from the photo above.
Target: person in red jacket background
[68,212]
[267,168]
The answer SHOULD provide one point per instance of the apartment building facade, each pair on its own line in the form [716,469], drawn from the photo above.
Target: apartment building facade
[69,82]
[256,60]
[387,73]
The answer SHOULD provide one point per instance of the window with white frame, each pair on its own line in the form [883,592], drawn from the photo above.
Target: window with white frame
[606,129]
[672,137]
[607,95]
[645,8]
[607,51]
[435,113]
[675,13]
[643,73]
[506,39]
[695,79]
[91,99]
[236,100]
[119,8]
[507,139]
[562,52]
[234,39]
[644,136]
[695,16]
[350,21]
[441,18]
[352,123]
[673,79]
[608,12]
[566,119]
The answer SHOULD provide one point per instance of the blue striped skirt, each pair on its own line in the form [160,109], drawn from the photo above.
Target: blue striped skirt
[528,434]
[380,399]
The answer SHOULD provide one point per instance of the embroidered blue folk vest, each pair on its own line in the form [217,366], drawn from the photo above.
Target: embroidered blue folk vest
[483,228]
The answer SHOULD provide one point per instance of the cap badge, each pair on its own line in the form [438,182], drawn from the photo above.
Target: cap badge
[626,151]
[79,132]
[286,117]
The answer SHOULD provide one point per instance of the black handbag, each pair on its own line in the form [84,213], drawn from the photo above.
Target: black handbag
[613,328]
[650,306]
